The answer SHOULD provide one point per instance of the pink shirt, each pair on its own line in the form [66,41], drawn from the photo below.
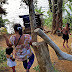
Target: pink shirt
[23,51]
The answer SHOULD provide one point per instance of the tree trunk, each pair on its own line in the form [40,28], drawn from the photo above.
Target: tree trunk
[61,55]
[50,5]
[54,16]
[32,19]
[57,15]
[43,57]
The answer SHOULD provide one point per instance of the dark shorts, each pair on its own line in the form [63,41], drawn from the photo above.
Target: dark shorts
[65,37]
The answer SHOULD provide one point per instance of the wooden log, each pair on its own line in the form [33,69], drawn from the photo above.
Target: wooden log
[43,57]
[61,55]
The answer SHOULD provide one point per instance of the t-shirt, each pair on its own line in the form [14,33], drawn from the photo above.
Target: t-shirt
[23,51]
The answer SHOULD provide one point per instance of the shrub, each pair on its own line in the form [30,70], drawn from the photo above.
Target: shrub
[2,56]
[38,70]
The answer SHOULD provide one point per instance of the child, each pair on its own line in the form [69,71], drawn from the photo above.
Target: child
[66,31]
[10,60]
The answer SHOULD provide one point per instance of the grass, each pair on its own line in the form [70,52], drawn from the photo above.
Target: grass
[2,56]
[3,62]
[4,67]
[36,68]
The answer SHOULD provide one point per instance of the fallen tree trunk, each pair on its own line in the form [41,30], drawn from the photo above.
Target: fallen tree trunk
[43,56]
[61,55]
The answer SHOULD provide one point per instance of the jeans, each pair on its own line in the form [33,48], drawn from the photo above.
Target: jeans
[28,64]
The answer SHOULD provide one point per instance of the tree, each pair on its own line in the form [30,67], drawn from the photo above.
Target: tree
[3,22]
[70,0]
[68,17]
[50,5]
[57,15]
[32,19]
[54,11]
[39,11]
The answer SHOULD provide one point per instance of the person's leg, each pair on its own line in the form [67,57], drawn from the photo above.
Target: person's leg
[67,43]
[31,60]
[67,37]
[25,64]
[64,43]
[13,68]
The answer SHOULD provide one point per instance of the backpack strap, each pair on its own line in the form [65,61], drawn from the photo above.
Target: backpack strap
[18,40]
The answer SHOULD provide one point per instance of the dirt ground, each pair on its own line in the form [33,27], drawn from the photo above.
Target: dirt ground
[60,65]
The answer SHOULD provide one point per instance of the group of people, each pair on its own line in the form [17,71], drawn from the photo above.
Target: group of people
[22,50]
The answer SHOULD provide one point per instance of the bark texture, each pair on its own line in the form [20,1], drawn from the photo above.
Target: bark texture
[57,15]
[32,19]
[43,57]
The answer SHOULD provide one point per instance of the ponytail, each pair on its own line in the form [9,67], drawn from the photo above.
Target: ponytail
[18,28]
[20,31]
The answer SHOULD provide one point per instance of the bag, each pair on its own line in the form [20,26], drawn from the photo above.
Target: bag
[18,40]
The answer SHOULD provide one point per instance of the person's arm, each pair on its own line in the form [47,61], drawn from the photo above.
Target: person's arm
[7,41]
[30,40]
[69,31]
[7,55]
[30,43]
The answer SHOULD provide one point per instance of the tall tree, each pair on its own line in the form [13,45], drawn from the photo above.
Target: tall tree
[54,11]
[57,15]
[50,5]
[32,19]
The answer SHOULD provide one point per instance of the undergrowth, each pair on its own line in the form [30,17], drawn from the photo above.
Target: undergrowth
[36,68]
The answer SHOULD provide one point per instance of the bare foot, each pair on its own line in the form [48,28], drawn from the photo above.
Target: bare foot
[27,70]
[67,46]
[63,46]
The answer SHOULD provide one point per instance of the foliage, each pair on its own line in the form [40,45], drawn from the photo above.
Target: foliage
[27,2]
[70,0]
[39,11]
[4,64]
[3,30]
[2,56]
[3,22]
[68,17]
[38,70]
[48,20]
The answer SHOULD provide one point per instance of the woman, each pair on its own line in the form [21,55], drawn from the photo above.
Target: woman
[22,44]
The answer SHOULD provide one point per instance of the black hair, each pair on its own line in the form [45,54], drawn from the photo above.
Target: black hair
[9,50]
[18,28]
[68,24]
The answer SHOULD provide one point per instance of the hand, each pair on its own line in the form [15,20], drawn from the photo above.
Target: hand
[4,35]
[70,34]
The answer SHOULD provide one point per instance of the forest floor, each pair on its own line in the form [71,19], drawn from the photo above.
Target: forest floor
[60,65]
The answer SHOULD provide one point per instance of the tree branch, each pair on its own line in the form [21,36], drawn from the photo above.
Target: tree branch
[61,55]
